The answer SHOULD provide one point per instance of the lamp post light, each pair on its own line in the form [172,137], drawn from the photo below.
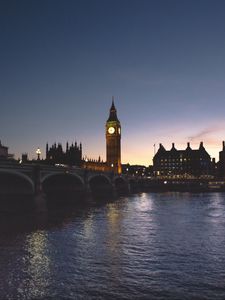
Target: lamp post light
[86,161]
[38,152]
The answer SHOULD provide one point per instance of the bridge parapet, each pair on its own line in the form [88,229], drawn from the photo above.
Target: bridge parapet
[36,174]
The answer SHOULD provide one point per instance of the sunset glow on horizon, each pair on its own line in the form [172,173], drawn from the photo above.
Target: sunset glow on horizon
[61,63]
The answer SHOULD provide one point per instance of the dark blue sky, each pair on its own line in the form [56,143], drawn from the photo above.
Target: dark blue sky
[61,62]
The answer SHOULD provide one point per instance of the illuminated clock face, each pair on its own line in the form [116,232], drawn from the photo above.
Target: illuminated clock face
[119,130]
[111,130]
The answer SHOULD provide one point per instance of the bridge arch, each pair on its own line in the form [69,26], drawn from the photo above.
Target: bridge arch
[99,178]
[15,182]
[100,184]
[64,175]
[62,187]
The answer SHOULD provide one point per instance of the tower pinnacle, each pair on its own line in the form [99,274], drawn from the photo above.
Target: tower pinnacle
[113,112]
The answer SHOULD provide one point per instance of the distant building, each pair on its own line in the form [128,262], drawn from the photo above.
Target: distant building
[24,158]
[72,156]
[221,162]
[3,151]
[95,165]
[182,163]
[137,170]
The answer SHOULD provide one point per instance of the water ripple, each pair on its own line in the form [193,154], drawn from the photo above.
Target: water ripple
[147,246]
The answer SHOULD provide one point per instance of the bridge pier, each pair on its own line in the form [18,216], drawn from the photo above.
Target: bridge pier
[40,201]
[87,187]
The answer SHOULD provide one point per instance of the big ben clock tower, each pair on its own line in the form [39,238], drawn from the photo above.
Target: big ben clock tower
[113,138]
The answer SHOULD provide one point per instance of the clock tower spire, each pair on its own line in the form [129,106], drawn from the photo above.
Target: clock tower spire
[113,140]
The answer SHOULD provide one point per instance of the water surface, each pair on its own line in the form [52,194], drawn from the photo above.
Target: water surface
[146,246]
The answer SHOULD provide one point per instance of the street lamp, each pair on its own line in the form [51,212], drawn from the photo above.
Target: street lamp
[38,152]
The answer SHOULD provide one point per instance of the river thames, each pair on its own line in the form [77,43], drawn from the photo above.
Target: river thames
[142,246]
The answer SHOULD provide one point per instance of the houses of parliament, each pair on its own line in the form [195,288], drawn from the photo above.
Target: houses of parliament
[73,153]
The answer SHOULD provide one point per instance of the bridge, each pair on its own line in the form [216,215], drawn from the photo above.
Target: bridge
[39,181]
[36,185]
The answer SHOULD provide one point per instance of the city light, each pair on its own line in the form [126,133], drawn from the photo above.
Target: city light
[38,152]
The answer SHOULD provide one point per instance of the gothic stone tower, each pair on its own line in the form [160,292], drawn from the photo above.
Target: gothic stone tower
[113,138]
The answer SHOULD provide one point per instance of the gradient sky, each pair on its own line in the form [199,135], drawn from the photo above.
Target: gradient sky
[61,62]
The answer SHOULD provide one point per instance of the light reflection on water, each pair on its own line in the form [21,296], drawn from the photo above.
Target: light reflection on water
[36,266]
[147,246]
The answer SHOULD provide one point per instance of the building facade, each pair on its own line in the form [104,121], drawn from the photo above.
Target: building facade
[137,170]
[95,164]
[72,156]
[182,163]
[4,154]
[3,151]
[221,162]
